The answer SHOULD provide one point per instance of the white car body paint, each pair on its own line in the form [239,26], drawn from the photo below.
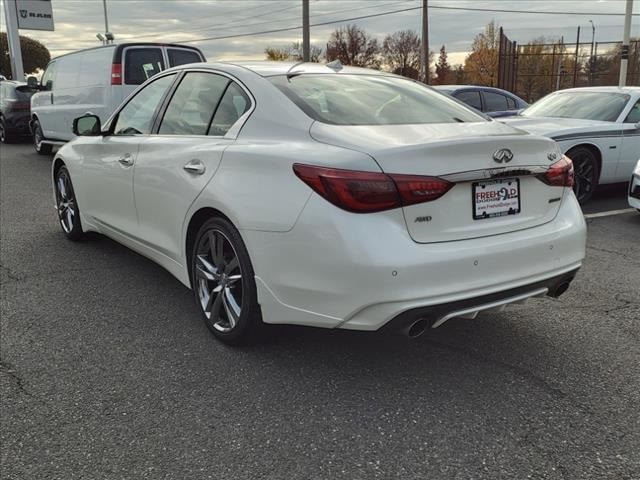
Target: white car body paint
[316,264]
[618,142]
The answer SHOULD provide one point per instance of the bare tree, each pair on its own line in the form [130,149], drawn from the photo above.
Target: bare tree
[293,52]
[353,46]
[401,53]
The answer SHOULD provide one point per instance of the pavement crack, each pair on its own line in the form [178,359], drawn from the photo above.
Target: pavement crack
[12,373]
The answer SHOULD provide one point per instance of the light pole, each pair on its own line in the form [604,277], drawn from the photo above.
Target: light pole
[592,60]
[624,61]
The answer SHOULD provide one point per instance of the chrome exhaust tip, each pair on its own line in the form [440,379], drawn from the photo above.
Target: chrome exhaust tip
[417,328]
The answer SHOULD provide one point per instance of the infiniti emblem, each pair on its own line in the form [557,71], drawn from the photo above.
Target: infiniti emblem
[503,155]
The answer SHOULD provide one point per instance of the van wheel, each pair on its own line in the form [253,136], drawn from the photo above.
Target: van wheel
[38,138]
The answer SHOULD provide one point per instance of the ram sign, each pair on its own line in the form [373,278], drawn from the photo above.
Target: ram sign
[34,14]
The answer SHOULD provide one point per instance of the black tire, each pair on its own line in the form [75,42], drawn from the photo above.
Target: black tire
[5,136]
[38,137]
[67,205]
[213,269]
[587,173]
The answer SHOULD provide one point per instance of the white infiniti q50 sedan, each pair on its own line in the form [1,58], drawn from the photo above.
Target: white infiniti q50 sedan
[324,196]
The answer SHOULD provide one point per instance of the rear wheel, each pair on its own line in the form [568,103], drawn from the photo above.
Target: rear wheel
[38,140]
[587,174]
[67,205]
[5,137]
[223,282]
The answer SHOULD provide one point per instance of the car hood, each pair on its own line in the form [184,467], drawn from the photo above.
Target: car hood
[548,126]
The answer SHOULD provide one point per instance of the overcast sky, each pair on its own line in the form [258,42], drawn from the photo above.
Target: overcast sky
[78,21]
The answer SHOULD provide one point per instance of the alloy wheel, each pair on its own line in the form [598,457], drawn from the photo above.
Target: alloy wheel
[66,202]
[3,138]
[219,280]
[585,173]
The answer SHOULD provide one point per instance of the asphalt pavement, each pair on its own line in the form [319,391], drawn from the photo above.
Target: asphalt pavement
[108,372]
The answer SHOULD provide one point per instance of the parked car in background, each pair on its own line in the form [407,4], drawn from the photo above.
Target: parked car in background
[597,127]
[634,187]
[325,196]
[96,81]
[491,101]
[14,110]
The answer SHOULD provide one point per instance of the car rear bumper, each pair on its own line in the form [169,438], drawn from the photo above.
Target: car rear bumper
[634,191]
[342,270]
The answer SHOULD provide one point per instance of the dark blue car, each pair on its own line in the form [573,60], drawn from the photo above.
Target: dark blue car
[491,101]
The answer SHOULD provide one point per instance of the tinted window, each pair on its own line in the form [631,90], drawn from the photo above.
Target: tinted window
[495,102]
[181,57]
[192,106]
[370,100]
[137,115]
[585,105]
[48,76]
[142,64]
[511,103]
[471,98]
[233,105]
[634,114]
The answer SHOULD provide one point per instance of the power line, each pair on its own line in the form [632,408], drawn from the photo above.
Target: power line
[372,15]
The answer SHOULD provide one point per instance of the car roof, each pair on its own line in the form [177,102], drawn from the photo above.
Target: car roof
[269,68]
[611,89]
[121,46]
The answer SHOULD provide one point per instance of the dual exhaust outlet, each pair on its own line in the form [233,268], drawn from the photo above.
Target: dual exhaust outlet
[418,327]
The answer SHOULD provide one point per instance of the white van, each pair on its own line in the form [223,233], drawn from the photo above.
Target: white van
[96,81]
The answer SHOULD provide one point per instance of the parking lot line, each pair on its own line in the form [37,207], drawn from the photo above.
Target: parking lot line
[609,213]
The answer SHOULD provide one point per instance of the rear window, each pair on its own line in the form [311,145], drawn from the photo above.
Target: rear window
[141,64]
[179,56]
[343,99]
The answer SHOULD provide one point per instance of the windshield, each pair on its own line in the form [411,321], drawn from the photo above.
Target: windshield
[342,99]
[584,105]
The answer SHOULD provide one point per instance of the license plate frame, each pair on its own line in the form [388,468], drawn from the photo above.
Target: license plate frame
[504,198]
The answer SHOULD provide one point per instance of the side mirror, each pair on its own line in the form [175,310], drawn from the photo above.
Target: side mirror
[32,82]
[87,126]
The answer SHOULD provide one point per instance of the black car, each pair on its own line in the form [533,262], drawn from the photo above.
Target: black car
[15,107]
[491,101]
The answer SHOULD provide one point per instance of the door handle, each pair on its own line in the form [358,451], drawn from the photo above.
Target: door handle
[195,166]
[126,160]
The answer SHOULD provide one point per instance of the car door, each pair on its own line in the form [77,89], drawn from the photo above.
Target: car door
[108,163]
[175,165]
[630,143]
[42,101]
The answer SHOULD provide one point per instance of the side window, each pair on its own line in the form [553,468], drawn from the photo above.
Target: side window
[471,98]
[495,102]
[192,106]
[137,115]
[141,64]
[180,56]
[48,76]
[511,103]
[233,105]
[634,114]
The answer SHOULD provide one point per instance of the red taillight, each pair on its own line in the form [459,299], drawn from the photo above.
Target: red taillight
[560,174]
[116,74]
[368,192]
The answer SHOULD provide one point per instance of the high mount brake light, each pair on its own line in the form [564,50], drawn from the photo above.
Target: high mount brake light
[559,174]
[368,192]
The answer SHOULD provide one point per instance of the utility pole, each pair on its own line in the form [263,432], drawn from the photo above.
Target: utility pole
[106,19]
[306,47]
[13,37]
[591,59]
[624,62]
[424,64]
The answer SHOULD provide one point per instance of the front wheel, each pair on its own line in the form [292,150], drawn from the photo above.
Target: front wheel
[587,175]
[223,282]
[67,205]
[38,140]
[5,136]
